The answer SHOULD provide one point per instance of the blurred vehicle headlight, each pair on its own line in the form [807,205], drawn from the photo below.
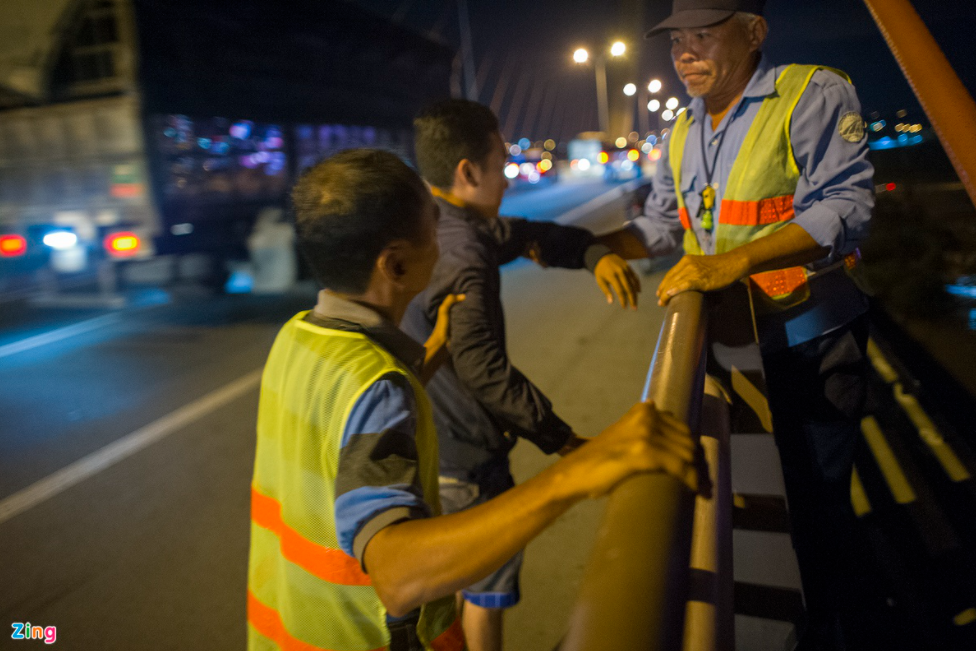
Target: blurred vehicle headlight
[60,240]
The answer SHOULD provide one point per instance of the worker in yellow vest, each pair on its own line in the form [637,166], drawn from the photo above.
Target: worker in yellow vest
[349,550]
[764,179]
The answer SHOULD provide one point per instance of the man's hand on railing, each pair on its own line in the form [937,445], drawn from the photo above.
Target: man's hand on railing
[644,440]
[788,247]
[614,275]
[703,273]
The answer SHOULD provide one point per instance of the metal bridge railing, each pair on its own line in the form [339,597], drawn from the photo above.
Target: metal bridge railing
[644,565]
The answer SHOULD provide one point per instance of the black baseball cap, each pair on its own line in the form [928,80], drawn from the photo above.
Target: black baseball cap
[701,13]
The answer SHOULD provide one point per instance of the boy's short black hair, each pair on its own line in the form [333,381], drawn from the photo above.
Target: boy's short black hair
[349,207]
[449,131]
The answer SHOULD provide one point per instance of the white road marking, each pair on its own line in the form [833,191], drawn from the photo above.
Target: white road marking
[57,335]
[126,446]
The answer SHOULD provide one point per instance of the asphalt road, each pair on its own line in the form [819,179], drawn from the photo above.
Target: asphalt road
[148,552]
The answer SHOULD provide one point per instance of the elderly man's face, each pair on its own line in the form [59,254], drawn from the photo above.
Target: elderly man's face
[710,60]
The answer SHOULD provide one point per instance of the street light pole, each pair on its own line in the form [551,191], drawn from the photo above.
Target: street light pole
[603,100]
[600,70]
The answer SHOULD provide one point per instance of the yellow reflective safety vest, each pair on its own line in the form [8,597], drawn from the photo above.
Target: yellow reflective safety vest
[304,592]
[757,199]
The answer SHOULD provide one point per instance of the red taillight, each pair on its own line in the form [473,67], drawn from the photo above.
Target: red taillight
[122,245]
[890,187]
[12,246]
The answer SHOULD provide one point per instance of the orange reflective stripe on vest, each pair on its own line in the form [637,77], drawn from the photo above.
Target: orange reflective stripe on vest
[267,622]
[784,282]
[332,565]
[780,282]
[450,640]
[755,213]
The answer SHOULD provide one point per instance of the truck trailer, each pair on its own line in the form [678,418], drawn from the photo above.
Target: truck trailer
[138,130]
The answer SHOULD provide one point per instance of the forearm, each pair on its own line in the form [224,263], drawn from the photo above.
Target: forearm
[435,348]
[624,243]
[482,366]
[515,403]
[434,358]
[790,246]
[555,245]
[787,247]
[417,561]
[414,562]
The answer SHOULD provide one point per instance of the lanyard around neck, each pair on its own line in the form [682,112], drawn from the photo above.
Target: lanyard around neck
[708,191]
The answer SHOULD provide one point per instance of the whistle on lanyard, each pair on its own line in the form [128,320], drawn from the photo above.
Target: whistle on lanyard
[708,205]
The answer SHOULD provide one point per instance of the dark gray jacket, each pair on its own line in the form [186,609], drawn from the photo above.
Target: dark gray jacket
[481,401]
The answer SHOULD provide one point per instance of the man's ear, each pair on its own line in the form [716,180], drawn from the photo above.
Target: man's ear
[757,33]
[465,174]
[390,263]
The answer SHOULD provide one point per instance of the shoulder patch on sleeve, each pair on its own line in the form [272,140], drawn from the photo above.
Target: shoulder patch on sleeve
[851,127]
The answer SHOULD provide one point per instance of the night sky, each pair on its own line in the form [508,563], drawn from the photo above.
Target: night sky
[530,45]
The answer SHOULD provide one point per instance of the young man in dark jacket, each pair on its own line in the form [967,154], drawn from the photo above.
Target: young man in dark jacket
[482,403]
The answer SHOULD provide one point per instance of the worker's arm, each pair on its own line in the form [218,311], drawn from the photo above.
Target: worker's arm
[480,359]
[555,245]
[624,243]
[415,561]
[788,247]
[436,345]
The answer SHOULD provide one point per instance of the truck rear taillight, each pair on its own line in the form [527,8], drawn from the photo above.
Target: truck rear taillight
[122,245]
[12,246]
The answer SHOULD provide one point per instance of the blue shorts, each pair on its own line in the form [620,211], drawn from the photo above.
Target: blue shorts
[500,589]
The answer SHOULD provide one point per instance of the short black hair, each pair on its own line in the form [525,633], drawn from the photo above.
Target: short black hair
[449,131]
[349,207]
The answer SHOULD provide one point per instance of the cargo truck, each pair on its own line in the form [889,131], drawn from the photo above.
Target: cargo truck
[148,130]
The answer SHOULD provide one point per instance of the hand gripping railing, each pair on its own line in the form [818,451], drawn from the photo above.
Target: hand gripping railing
[636,585]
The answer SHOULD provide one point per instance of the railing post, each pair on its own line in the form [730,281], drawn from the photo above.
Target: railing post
[940,91]
[635,586]
[710,621]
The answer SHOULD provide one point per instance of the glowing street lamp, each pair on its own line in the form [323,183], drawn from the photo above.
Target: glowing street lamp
[668,115]
[618,49]
[655,86]
[672,103]
[581,55]
[630,90]
[653,105]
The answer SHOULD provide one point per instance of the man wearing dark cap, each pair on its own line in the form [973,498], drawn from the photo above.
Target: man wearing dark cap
[764,179]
